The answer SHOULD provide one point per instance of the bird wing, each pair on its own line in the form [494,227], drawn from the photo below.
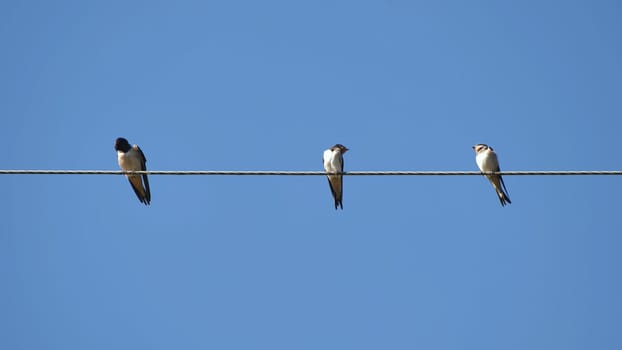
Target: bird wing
[143,167]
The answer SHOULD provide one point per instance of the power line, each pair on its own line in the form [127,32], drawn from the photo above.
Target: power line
[307,173]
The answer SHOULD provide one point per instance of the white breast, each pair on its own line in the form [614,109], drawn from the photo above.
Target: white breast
[487,161]
[129,161]
[332,161]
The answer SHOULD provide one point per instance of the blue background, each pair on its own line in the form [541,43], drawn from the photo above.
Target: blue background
[229,262]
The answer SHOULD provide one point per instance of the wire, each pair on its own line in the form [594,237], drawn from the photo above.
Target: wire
[306,173]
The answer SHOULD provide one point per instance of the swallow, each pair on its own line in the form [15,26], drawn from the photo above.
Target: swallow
[487,161]
[333,163]
[132,158]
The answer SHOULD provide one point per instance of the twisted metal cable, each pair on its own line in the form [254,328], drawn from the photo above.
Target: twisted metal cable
[308,173]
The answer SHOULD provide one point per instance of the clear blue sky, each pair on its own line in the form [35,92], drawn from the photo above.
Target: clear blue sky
[266,262]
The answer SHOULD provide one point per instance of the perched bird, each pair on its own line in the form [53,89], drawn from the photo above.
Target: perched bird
[333,163]
[487,161]
[131,158]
